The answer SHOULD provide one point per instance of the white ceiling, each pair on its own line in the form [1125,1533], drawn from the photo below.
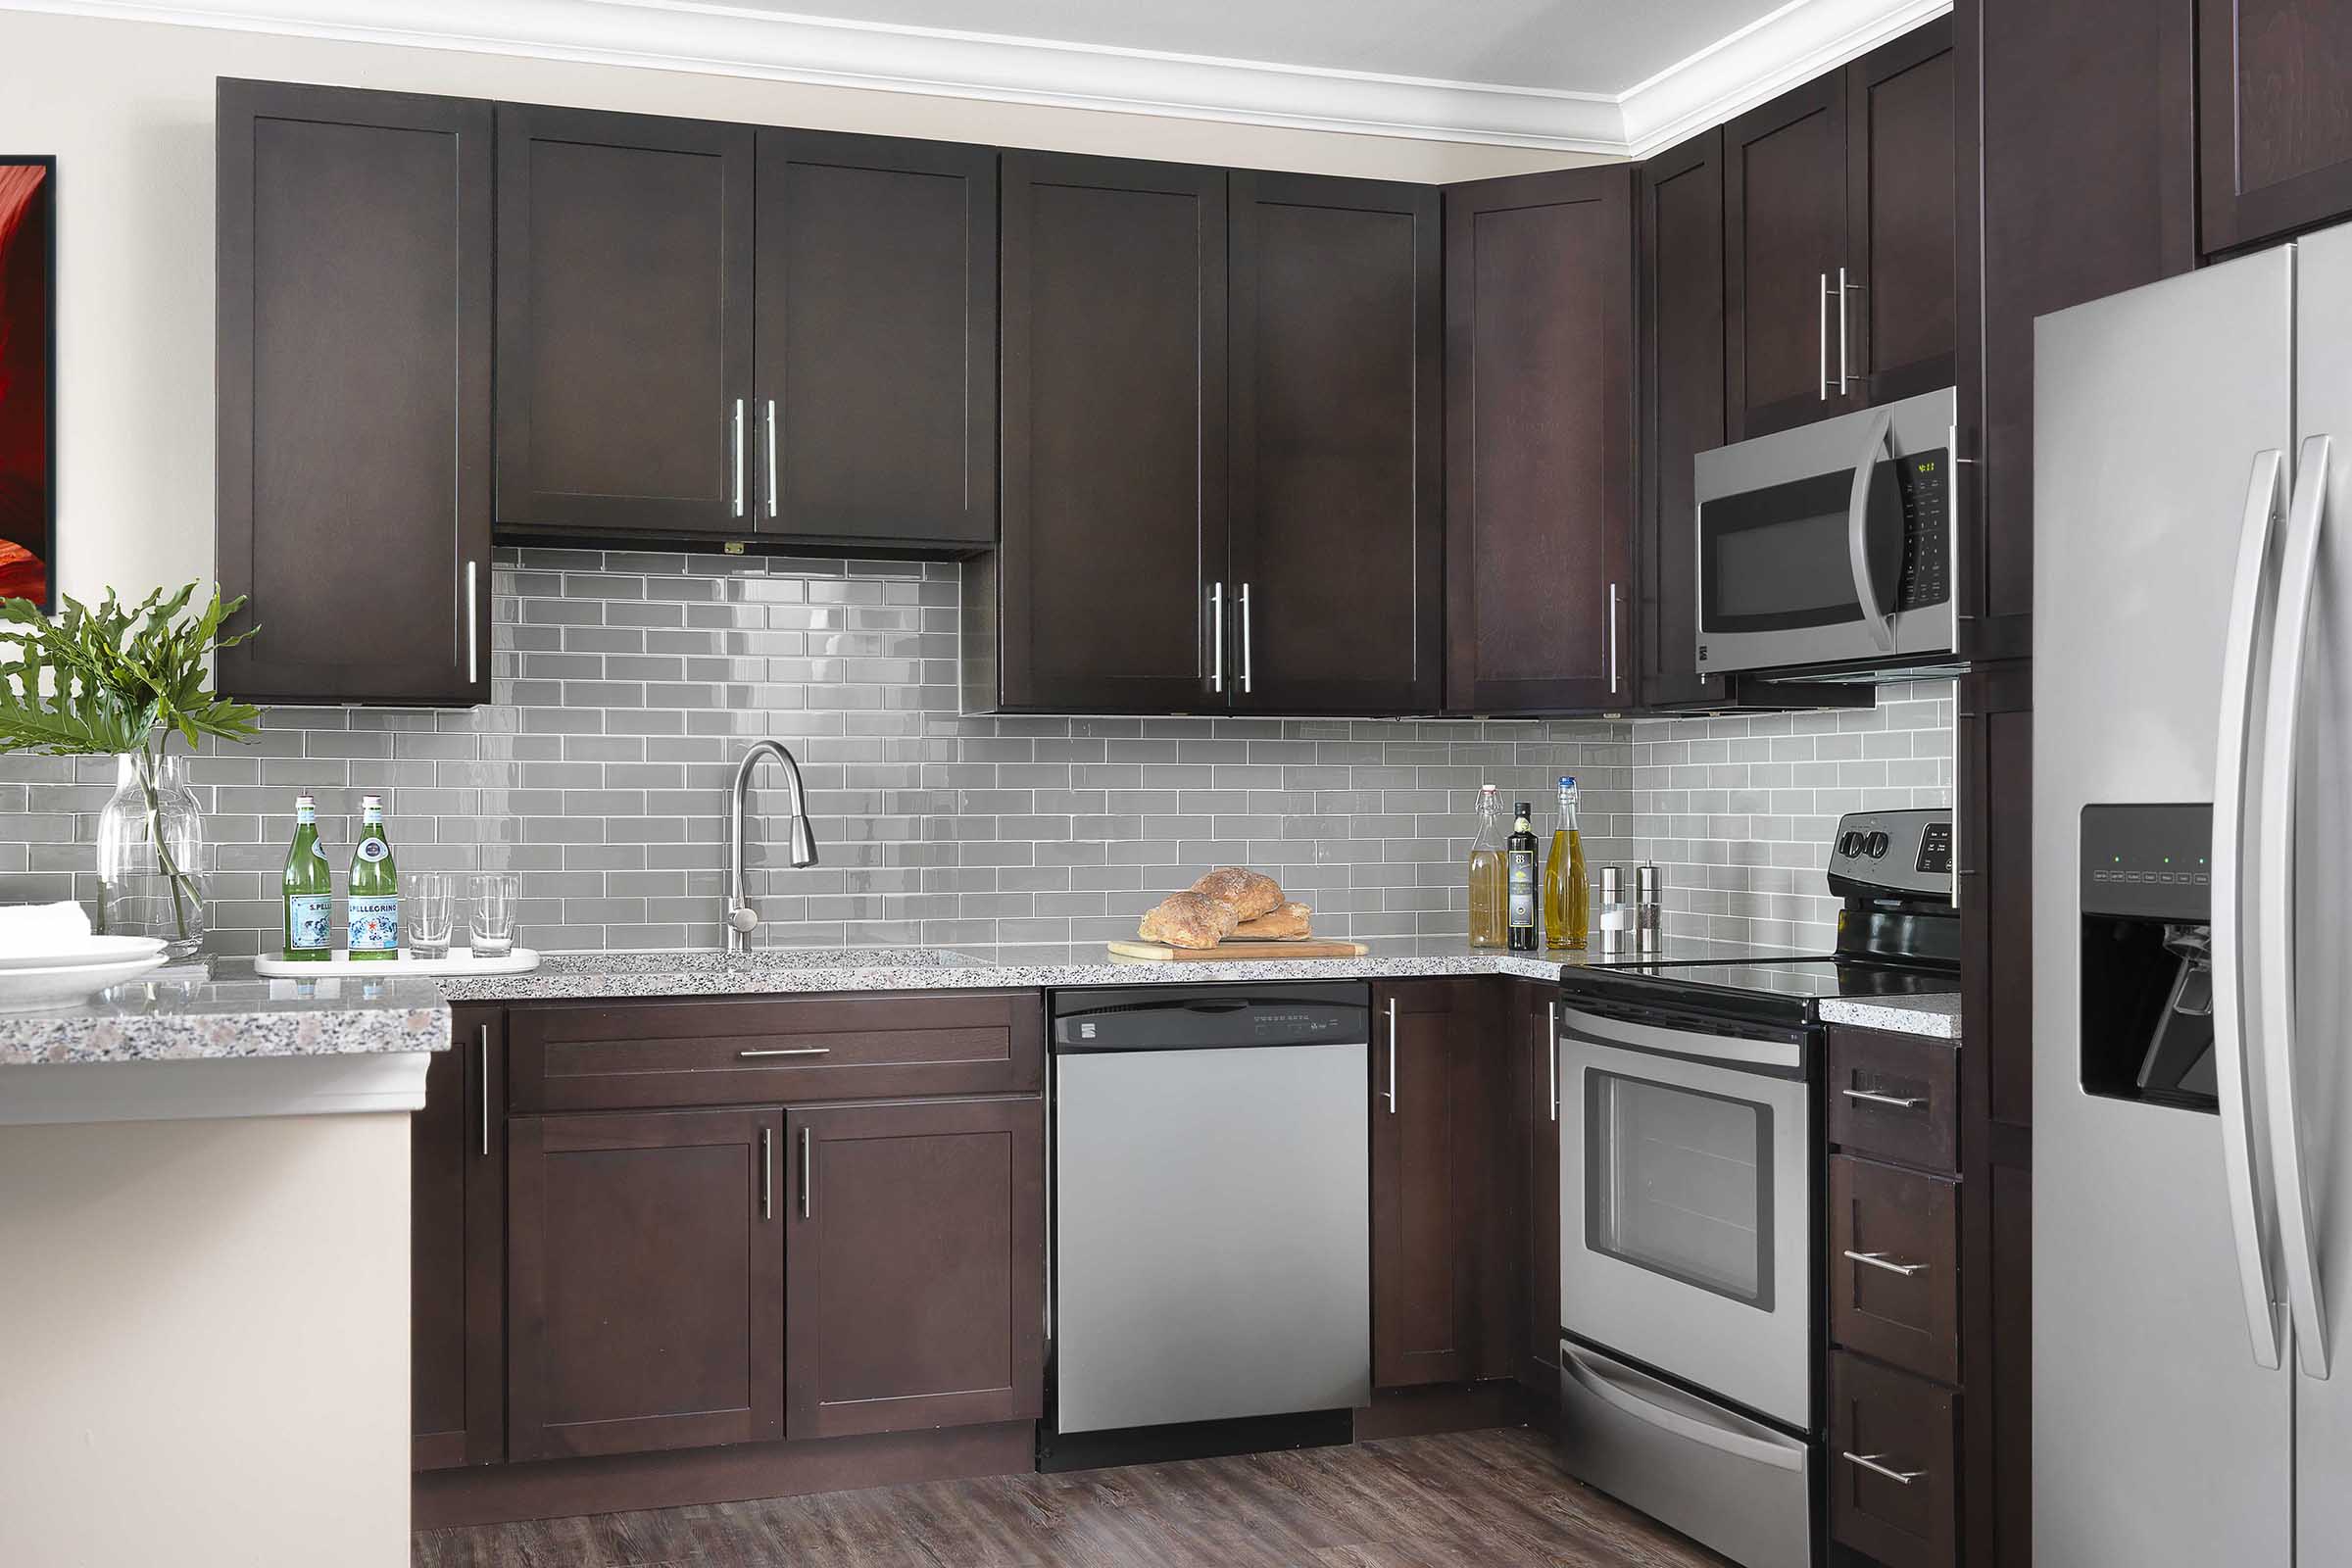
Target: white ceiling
[1598,47]
[1615,77]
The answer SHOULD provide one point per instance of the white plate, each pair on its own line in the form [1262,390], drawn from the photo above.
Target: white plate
[26,989]
[82,950]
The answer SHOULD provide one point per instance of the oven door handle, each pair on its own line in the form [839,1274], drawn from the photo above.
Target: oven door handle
[1780,1058]
[1880,620]
[1722,1438]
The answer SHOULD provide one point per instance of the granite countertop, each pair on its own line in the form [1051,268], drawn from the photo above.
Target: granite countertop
[232,1015]
[772,971]
[1935,1016]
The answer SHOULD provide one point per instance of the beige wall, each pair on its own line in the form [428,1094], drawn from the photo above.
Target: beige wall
[127,109]
[204,1344]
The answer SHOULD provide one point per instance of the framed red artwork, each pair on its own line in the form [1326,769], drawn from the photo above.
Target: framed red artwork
[27,379]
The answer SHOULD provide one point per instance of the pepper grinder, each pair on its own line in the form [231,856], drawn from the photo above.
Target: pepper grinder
[1616,915]
[1647,915]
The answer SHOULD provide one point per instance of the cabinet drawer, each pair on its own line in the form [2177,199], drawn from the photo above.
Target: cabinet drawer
[1893,1245]
[1892,1449]
[1895,1096]
[609,1056]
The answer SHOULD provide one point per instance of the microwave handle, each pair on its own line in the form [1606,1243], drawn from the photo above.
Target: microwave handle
[1880,620]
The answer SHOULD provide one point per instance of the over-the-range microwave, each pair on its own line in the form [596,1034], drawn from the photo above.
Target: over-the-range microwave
[1827,549]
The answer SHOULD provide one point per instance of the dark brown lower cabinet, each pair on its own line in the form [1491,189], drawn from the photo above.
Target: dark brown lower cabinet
[645,1277]
[1532,1012]
[457,1249]
[1890,1461]
[1894,1238]
[916,1266]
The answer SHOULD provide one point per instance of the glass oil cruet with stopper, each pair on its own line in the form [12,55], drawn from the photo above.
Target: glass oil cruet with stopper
[1486,913]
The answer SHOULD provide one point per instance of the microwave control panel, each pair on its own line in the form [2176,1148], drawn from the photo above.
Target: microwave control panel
[1922,481]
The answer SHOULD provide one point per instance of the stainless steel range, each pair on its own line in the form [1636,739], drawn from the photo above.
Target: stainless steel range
[1690,1261]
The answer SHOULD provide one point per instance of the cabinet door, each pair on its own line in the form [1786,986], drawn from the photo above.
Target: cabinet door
[1114,482]
[1783,241]
[1424,1310]
[1337,543]
[1899,332]
[917,1279]
[1534,1017]
[624,324]
[1681,408]
[458,1248]
[2276,118]
[1539,442]
[877,340]
[354,343]
[2110,82]
[645,1282]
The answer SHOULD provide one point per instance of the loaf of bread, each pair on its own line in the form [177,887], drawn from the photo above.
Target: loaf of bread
[1290,921]
[1187,920]
[1248,894]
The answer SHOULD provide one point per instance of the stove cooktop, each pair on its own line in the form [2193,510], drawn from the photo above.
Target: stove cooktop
[1782,989]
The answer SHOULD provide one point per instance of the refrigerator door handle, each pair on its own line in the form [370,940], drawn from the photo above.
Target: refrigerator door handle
[2275,889]
[2265,496]
[1857,532]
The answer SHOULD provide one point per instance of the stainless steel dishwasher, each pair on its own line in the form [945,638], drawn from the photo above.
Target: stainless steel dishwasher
[1211,1256]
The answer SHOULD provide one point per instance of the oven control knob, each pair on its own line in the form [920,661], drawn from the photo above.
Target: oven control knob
[1875,846]
[1849,845]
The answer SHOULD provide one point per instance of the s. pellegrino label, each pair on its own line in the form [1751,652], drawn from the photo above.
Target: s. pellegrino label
[308,892]
[374,905]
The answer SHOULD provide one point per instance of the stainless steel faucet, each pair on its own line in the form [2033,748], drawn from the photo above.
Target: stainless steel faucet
[742,918]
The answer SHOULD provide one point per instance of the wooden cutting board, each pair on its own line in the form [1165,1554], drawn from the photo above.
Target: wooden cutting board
[1238,951]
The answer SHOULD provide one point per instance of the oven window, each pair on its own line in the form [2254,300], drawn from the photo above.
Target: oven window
[1776,559]
[1679,1182]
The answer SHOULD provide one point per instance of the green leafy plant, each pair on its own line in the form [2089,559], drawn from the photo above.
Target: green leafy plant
[120,681]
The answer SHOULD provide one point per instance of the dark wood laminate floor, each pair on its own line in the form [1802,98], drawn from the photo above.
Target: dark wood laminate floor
[1471,1500]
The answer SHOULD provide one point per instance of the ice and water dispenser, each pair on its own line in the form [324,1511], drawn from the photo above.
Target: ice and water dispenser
[2148,938]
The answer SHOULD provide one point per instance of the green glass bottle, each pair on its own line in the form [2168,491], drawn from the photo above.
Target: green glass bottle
[375,888]
[309,888]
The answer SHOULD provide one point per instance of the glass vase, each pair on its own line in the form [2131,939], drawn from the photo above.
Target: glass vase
[150,855]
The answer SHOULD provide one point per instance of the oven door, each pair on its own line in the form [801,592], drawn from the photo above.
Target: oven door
[1829,544]
[1685,1217]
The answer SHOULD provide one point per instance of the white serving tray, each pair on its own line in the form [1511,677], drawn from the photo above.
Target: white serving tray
[460,961]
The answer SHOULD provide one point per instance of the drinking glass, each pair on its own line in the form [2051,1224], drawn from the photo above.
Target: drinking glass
[495,896]
[433,913]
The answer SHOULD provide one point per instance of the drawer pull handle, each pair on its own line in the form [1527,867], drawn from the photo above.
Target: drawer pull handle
[1881,1260]
[1870,1462]
[791,1050]
[1898,1102]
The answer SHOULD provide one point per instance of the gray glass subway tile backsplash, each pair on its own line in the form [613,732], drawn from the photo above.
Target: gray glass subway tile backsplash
[626,683]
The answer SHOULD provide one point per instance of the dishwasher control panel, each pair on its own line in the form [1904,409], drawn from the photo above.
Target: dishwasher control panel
[1209,1017]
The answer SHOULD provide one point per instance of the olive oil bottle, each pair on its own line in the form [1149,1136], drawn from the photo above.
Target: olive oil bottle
[1486,874]
[1566,901]
[1519,879]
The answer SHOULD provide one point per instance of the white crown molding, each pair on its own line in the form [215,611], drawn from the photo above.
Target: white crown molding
[1800,40]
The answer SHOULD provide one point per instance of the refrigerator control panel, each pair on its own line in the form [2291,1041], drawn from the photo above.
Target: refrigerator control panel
[2149,862]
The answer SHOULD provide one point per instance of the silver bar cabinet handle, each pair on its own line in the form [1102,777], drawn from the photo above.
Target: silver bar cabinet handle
[473,622]
[1822,354]
[1612,637]
[1870,1462]
[767,1173]
[1841,356]
[484,1047]
[1391,1055]
[1881,1260]
[772,457]
[1216,637]
[808,1173]
[2249,596]
[1872,1096]
[739,457]
[1552,1040]
[789,1050]
[1245,659]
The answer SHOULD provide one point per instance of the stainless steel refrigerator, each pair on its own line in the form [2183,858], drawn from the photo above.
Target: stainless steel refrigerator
[2192,985]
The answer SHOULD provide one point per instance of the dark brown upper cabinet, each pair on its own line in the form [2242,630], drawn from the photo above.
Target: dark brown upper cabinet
[1333,578]
[624,324]
[1785,240]
[457,1249]
[876,361]
[1539,443]
[645,1282]
[2274,117]
[354,342]
[916,1294]
[1114,437]
[1840,239]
